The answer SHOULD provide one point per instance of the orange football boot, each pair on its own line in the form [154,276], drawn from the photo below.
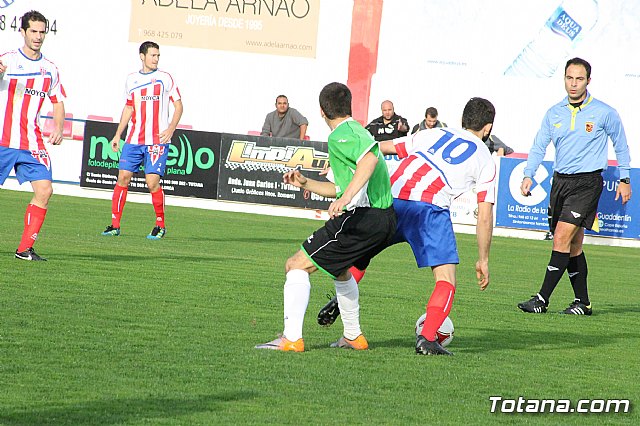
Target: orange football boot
[281,343]
[358,344]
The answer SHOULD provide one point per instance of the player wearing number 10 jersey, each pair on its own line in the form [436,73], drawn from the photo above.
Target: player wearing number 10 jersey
[437,166]
[146,111]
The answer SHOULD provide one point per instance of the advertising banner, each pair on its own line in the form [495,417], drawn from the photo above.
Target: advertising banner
[516,211]
[251,169]
[513,210]
[282,27]
[192,165]
[614,218]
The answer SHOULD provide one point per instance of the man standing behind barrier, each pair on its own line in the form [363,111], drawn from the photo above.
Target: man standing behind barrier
[430,121]
[148,93]
[579,127]
[389,125]
[284,122]
[26,77]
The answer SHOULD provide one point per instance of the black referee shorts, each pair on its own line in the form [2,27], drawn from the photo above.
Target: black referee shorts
[574,198]
[352,238]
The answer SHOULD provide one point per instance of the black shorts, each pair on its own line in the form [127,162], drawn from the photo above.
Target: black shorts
[351,239]
[574,198]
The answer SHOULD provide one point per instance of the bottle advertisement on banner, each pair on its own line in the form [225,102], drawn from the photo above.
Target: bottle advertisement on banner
[564,29]
[513,210]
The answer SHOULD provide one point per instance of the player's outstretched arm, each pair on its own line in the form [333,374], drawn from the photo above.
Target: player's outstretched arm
[387,148]
[295,178]
[484,233]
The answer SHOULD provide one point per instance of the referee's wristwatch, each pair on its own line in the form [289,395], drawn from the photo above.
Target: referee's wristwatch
[625,180]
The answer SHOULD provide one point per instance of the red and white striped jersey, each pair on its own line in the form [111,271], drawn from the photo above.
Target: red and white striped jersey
[149,95]
[438,165]
[23,88]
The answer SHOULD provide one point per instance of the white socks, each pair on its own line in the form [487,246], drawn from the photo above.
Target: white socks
[347,294]
[296,298]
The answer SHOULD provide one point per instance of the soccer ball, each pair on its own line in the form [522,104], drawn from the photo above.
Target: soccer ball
[444,333]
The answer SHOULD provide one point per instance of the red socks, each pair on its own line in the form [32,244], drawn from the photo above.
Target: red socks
[157,198]
[357,273]
[117,204]
[120,198]
[438,308]
[33,219]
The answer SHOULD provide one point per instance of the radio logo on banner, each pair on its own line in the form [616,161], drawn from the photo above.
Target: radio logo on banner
[538,193]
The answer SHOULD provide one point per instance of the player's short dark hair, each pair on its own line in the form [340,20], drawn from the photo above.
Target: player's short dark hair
[144,47]
[579,61]
[431,112]
[282,96]
[335,100]
[477,113]
[32,15]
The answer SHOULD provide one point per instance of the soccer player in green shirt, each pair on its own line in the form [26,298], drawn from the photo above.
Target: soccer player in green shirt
[362,222]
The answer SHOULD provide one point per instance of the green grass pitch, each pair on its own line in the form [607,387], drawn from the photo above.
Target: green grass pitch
[130,331]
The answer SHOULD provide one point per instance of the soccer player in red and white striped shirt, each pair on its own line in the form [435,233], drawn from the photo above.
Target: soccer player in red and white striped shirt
[27,78]
[149,92]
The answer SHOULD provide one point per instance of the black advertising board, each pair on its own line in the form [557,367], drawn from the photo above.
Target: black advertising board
[192,165]
[251,169]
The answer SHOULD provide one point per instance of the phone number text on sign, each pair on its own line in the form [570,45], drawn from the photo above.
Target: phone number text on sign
[160,34]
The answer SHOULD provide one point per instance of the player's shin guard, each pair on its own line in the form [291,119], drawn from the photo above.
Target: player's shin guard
[347,294]
[357,273]
[118,200]
[157,198]
[438,308]
[555,269]
[578,271]
[296,298]
[33,219]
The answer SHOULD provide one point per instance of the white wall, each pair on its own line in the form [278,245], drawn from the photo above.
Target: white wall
[432,53]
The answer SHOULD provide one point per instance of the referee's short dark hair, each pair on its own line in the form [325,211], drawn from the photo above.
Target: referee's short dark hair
[477,113]
[579,61]
[335,100]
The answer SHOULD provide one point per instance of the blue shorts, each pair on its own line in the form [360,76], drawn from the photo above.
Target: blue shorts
[153,156]
[428,230]
[28,165]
